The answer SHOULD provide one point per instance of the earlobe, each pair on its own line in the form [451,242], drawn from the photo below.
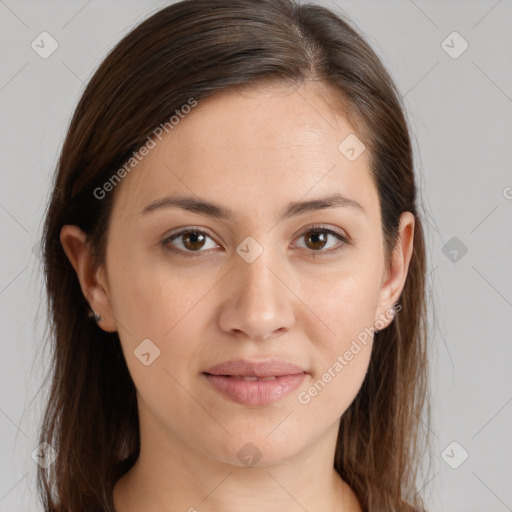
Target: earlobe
[75,244]
[396,275]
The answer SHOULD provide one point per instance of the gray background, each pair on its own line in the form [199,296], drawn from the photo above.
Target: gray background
[460,110]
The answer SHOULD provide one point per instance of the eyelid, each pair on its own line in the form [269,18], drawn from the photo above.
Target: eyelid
[342,236]
[181,231]
[325,227]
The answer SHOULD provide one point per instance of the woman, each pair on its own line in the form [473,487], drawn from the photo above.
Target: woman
[235,272]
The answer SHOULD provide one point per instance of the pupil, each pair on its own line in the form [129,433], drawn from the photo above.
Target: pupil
[318,237]
[195,239]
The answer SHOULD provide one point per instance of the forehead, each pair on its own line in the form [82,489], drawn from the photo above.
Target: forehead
[253,151]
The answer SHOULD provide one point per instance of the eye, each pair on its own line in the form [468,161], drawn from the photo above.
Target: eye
[317,239]
[191,241]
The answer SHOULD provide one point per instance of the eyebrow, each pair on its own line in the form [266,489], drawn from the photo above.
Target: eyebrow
[214,210]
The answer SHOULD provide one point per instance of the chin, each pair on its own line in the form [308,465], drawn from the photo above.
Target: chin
[256,450]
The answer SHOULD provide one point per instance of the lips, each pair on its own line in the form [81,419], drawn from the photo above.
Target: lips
[255,383]
[256,392]
[255,370]
[250,377]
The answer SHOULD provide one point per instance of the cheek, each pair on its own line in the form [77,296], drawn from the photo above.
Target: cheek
[161,307]
[150,299]
[159,304]
[343,306]
[342,338]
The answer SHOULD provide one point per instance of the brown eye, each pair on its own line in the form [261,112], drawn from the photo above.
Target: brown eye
[187,242]
[317,239]
[193,240]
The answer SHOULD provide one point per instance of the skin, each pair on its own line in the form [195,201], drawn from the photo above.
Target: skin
[253,151]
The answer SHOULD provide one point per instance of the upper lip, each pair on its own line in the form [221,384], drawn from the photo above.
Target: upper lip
[265,368]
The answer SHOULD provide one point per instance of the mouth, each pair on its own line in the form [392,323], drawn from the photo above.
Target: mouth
[244,377]
[269,368]
[254,384]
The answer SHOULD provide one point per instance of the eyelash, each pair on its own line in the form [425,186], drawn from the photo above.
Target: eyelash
[195,254]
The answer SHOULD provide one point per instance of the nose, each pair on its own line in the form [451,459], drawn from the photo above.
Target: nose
[259,303]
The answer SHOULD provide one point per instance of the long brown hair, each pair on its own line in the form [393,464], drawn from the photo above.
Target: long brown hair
[195,49]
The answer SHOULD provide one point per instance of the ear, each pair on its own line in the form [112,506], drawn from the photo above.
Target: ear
[394,277]
[92,278]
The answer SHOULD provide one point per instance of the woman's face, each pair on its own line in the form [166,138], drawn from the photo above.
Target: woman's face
[253,285]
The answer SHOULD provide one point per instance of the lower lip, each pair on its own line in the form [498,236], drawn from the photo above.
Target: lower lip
[255,392]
